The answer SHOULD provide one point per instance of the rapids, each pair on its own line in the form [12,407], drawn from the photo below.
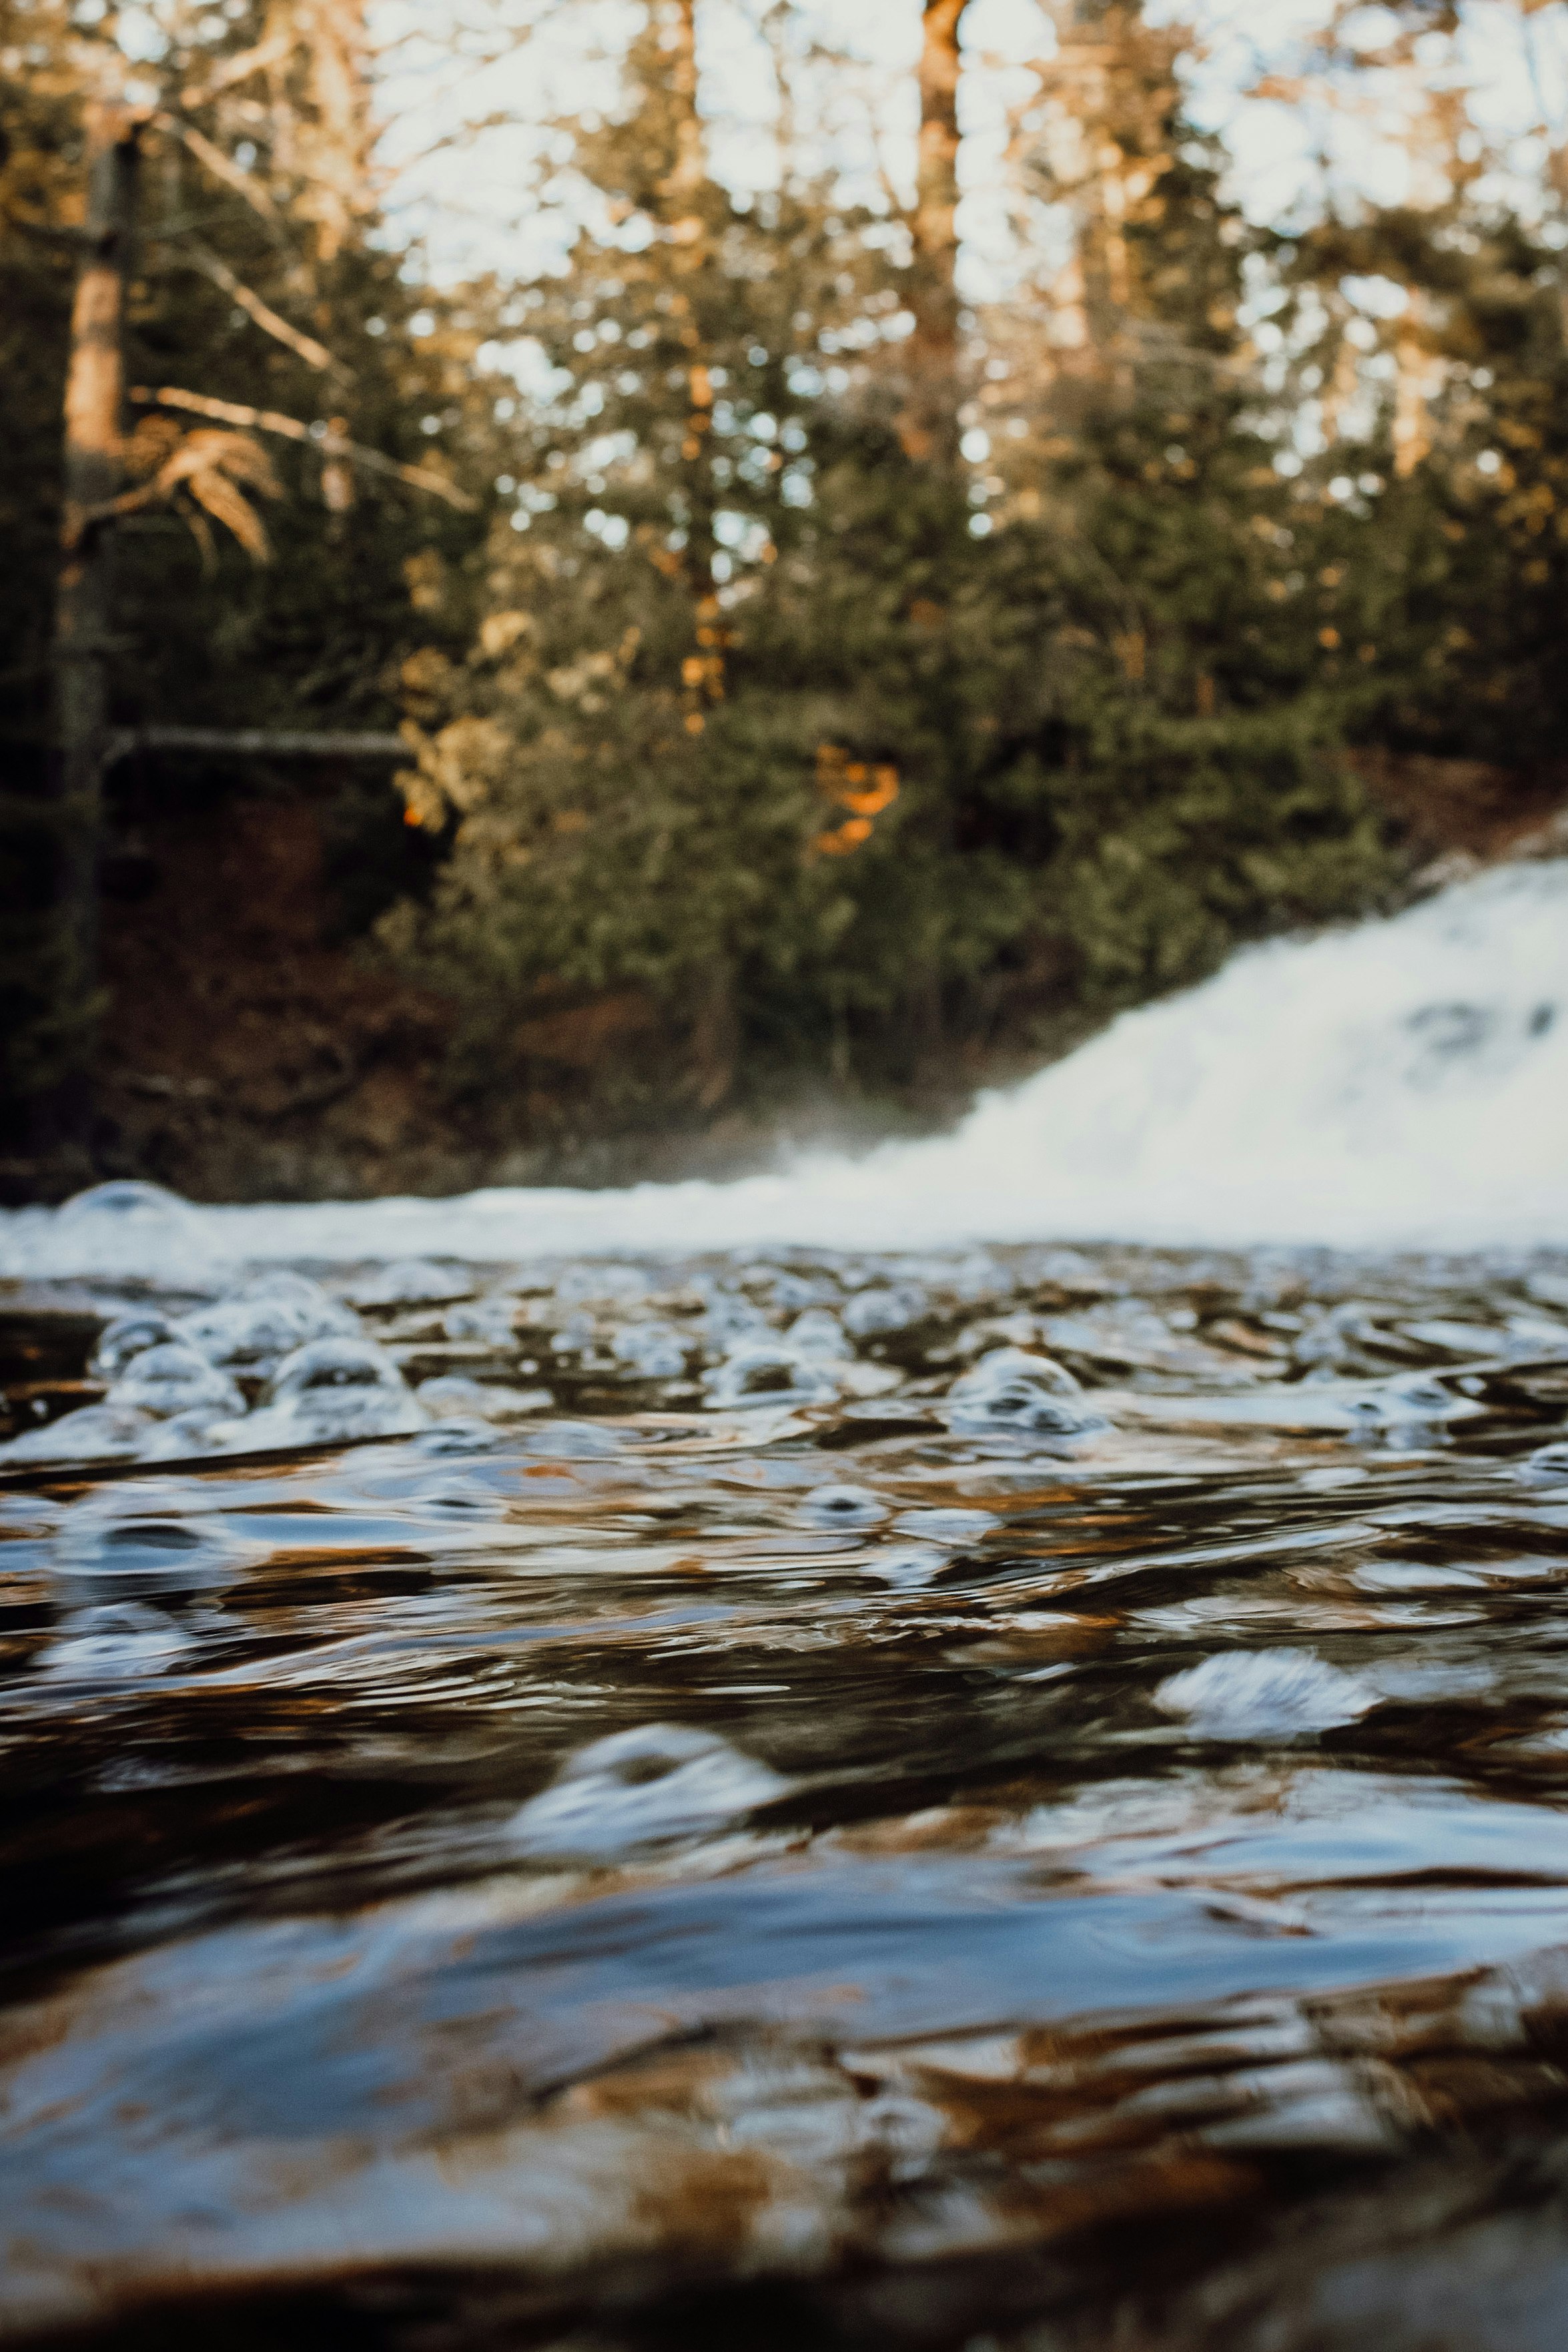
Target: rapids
[849,1763]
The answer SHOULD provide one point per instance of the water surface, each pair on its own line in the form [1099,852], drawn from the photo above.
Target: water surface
[1007,1797]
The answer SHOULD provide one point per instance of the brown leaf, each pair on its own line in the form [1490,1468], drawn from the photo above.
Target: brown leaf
[233,510]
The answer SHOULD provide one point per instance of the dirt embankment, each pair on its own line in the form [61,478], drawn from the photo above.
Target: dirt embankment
[247,1053]
[253,1051]
[1462,808]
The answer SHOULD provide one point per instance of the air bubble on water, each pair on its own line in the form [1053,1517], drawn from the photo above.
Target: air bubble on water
[451,1395]
[885,1308]
[98,1432]
[948,1527]
[1264,1694]
[653,1350]
[113,1641]
[731,1320]
[602,1284]
[332,1391]
[145,1530]
[205,1429]
[1002,1366]
[789,1292]
[413,1282]
[172,1378]
[1403,1407]
[124,1228]
[819,1333]
[1009,1389]
[908,1566]
[769,1373]
[842,1507]
[490,1320]
[647,1787]
[127,1335]
[458,1437]
[324,1367]
[1534,1337]
[252,1329]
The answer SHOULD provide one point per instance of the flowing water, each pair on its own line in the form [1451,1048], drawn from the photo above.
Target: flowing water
[833,1762]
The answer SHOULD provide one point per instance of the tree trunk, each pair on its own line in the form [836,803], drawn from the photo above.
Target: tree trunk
[95,388]
[689,170]
[681,194]
[928,427]
[338,166]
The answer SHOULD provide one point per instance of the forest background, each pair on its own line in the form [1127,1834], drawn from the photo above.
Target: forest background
[721,660]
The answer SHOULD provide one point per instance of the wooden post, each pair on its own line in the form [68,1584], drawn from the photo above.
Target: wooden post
[928,427]
[95,388]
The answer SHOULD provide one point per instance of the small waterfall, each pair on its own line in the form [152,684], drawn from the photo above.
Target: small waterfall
[1401,1083]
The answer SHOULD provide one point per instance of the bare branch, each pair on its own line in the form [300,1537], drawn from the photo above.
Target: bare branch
[237,69]
[225,411]
[304,346]
[221,168]
[74,240]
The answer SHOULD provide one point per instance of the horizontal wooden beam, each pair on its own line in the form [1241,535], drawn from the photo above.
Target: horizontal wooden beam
[258,743]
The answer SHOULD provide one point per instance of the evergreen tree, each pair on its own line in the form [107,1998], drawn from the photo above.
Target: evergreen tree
[630,758]
[1190,783]
[778,710]
[259,289]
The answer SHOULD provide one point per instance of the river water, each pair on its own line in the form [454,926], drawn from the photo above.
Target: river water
[676,1769]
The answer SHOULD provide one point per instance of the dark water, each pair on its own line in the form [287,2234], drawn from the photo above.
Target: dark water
[806,1842]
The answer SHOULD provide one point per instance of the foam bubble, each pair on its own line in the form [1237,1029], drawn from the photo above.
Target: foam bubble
[98,1432]
[1264,1694]
[453,1396]
[1009,1389]
[413,1282]
[330,1391]
[644,1787]
[843,1506]
[770,1373]
[255,1327]
[172,1378]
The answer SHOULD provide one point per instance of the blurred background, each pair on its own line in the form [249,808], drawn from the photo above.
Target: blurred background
[592,589]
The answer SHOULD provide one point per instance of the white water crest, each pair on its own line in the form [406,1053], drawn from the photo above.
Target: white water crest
[1401,1083]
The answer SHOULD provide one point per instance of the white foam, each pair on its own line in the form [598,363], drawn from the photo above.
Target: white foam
[1401,1084]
